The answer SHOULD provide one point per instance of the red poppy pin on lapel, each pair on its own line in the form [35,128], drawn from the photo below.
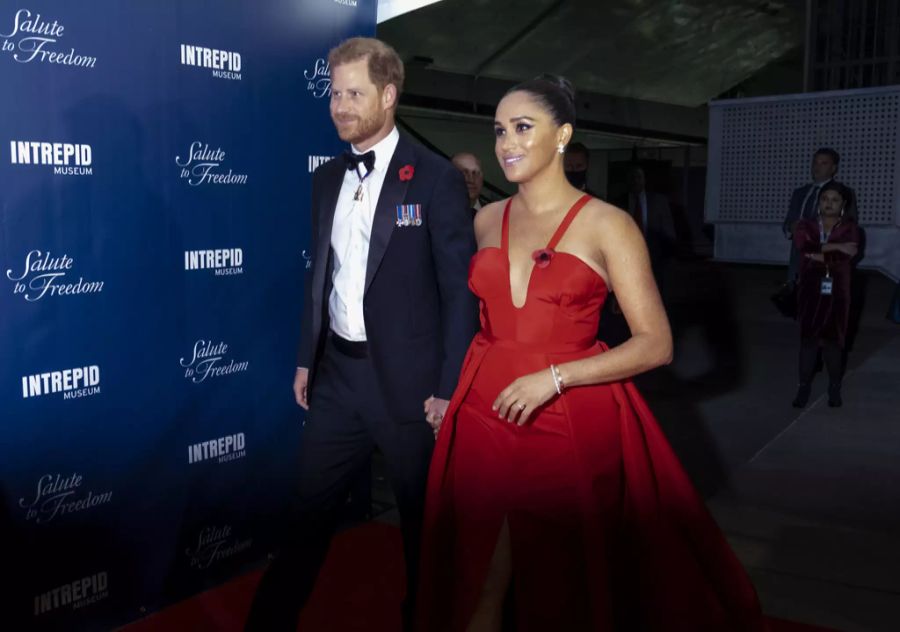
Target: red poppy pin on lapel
[406,173]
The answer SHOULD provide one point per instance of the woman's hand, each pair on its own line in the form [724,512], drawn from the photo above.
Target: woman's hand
[518,401]
[816,256]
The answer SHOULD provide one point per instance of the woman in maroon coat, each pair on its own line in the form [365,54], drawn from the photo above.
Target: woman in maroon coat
[828,245]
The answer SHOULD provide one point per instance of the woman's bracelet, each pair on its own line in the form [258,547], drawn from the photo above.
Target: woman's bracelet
[557,379]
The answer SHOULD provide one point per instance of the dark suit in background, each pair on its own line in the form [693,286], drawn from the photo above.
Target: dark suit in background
[658,228]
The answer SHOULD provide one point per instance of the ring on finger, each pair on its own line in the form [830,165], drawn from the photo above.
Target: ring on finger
[521,406]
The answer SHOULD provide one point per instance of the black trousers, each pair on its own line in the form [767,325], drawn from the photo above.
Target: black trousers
[832,357]
[347,419]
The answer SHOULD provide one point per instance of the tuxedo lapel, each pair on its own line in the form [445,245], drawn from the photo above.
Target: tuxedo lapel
[331,189]
[327,203]
[393,192]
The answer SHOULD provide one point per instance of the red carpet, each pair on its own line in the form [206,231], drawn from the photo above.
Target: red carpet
[359,590]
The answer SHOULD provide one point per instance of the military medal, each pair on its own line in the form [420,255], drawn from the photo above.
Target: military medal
[409,215]
[402,218]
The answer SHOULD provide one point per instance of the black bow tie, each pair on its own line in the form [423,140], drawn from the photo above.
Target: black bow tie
[353,160]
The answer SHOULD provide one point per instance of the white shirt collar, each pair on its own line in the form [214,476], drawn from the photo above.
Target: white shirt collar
[384,150]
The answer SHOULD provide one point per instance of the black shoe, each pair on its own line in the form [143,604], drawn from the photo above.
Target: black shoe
[834,396]
[802,396]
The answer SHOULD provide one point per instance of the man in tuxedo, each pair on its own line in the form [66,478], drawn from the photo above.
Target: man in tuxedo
[388,317]
[805,201]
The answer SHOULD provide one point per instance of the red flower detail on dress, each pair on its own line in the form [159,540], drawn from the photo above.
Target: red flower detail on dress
[406,173]
[542,257]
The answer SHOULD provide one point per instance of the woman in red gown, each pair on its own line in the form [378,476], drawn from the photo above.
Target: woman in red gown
[551,482]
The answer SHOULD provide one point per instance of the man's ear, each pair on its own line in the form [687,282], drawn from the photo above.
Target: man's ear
[389,96]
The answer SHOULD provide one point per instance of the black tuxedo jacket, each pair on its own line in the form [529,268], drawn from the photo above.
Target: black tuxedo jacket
[420,315]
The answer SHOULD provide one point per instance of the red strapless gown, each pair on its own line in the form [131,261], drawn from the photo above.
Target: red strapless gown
[607,531]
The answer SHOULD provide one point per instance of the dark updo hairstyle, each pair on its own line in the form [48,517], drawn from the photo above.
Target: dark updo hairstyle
[845,194]
[556,94]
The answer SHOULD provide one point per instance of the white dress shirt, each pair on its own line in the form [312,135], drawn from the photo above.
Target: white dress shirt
[350,235]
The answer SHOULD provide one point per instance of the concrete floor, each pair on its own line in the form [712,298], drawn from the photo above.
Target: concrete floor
[814,513]
[810,499]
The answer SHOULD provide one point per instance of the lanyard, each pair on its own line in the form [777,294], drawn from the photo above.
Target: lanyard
[823,236]
[823,239]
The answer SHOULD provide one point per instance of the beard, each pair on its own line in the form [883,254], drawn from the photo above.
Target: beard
[356,129]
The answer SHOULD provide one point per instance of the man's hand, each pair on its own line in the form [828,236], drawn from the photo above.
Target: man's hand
[300,380]
[435,409]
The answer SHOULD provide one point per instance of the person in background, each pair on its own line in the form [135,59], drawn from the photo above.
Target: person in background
[469,165]
[804,201]
[827,246]
[653,217]
[576,162]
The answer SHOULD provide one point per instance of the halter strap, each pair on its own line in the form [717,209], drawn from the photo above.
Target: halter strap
[560,231]
[584,199]
[504,234]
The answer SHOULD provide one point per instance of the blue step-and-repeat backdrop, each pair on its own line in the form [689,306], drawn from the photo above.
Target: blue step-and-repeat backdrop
[155,161]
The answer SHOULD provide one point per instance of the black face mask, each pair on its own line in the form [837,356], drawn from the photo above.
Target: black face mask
[578,179]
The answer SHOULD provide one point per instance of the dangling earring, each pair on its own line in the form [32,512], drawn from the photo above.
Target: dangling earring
[842,211]
[560,149]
